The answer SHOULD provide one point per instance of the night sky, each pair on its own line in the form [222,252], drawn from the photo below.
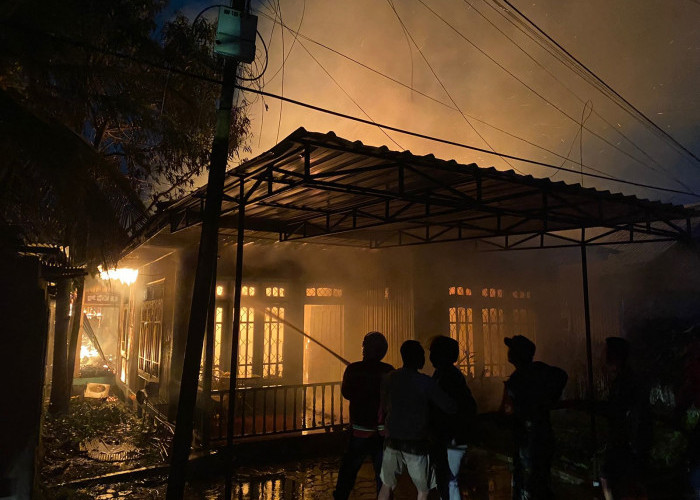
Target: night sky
[647,50]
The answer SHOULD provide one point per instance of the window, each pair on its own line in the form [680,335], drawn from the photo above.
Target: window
[124,344]
[245,342]
[462,330]
[247,291]
[151,332]
[273,341]
[218,329]
[324,292]
[219,290]
[459,290]
[495,351]
[274,291]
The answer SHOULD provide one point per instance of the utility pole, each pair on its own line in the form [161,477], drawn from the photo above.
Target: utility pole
[204,280]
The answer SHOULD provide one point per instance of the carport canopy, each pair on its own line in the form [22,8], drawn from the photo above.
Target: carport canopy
[334,191]
[329,190]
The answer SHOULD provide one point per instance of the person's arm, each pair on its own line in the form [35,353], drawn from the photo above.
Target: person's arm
[440,398]
[348,387]
[506,407]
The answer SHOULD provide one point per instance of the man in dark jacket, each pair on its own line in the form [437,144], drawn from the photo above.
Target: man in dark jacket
[450,431]
[407,396]
[361,386]
[530,393]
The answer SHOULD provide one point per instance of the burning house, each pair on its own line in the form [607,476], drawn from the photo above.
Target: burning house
[341,238]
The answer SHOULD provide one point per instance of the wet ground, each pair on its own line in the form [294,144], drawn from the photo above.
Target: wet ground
[484,478]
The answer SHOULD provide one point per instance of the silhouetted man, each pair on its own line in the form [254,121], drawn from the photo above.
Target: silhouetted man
[529,395]
[406,399]
[629,426]
[450,431]
[361,386]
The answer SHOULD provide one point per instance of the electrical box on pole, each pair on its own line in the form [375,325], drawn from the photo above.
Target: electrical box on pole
[235,35]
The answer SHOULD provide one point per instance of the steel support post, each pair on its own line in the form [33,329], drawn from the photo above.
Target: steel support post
[234,343]
[589,355]
[208,364]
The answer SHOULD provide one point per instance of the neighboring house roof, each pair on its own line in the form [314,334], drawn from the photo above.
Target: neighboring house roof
[320,186]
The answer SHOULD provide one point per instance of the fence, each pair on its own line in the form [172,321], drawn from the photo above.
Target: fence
[261,411]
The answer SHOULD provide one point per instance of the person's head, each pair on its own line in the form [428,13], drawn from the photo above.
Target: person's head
[412,354]
[374,346]
[444,351]
[617,351]
[521,350]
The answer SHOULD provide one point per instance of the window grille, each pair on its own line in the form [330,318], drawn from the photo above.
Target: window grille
[495,351]
[324,292]
[245,342]
[151,332]
[462,330]
[273,341]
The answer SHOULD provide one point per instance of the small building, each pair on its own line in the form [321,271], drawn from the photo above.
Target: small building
[340,239]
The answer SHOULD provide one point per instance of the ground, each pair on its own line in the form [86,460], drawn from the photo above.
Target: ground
[486,473]
[485,478]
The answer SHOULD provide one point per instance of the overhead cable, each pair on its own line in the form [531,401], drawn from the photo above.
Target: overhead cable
[628,106]
[427,96]
[529,87]
[219,81]
[542,44]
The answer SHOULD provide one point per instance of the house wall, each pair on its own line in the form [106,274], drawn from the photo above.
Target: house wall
[405,293]
[170,269]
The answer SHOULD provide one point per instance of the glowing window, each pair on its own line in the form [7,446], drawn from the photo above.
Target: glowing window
[247,291]
[462,330]
[495,351]
[219,290]
[524,322]
[273,342]
[274,291]
[324,292]
[218,328]
[151,333]
[245,342]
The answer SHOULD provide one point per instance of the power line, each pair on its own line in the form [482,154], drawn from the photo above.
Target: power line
[629,105]
[442,103]
[349,96]
[459,144]
[566,63]
[279,122]
[219,81]
[454,103]
[531,89]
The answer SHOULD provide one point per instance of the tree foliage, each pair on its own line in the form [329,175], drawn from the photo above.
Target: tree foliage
[79,65]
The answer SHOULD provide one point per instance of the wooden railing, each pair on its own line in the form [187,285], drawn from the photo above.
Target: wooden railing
[269,410]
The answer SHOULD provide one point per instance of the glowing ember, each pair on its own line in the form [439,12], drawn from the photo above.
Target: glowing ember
[123,274]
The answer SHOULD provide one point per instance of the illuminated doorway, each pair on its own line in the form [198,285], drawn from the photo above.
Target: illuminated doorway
[325,324]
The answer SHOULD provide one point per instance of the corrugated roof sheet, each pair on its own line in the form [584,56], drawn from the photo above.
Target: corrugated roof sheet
[329,188]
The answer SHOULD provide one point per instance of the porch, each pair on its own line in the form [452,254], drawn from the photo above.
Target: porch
[271,410]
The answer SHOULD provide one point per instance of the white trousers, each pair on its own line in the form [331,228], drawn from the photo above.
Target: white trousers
[455,453]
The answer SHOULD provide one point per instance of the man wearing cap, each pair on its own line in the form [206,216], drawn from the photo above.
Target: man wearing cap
[361,386]
[529,395]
